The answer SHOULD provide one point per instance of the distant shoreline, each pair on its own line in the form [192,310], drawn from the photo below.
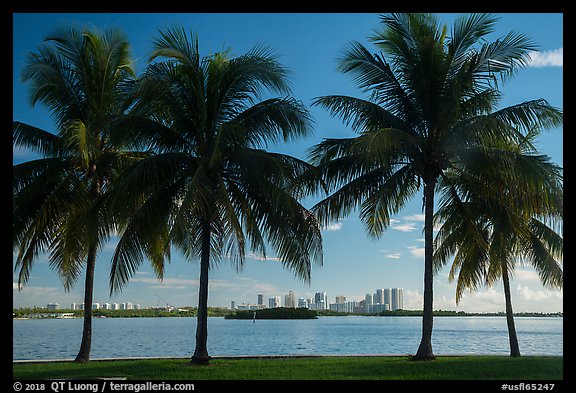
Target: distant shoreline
[39,313]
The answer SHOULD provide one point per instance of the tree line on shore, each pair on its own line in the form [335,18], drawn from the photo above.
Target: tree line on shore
[280,313]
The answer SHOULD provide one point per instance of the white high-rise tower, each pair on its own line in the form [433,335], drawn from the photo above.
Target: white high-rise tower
[397,299]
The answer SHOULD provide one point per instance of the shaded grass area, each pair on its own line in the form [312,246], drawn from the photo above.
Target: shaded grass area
[313,368]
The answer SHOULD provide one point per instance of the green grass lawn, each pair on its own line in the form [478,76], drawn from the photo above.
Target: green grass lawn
[313,368]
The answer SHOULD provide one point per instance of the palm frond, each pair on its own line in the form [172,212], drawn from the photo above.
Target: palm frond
[372,72]
[349,195]
[359,114]
[260,68]
[144,235]
[545,249]
[266,123]
[35,139]
[388,198]
[502,57]
[174,43]
[468,30]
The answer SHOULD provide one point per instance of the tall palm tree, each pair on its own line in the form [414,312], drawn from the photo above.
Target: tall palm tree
[432,102]
[493,219]
[210,189]
[79,75]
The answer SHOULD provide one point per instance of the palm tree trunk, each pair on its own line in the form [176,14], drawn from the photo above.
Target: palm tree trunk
[201,352]
[514,347]
[86,345]
[425,348]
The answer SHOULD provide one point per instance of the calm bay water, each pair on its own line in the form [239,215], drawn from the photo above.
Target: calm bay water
[157,337]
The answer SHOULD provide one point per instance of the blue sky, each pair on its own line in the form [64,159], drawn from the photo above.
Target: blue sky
[354,264]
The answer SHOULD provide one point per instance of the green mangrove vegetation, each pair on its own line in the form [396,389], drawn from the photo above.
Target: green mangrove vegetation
[274,313]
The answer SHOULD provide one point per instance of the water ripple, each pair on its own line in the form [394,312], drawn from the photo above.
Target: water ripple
[157,337]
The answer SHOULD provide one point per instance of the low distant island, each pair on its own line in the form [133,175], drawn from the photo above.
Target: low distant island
[274,313]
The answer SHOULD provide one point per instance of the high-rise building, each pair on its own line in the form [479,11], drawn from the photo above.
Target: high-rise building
[232,305]
[274,302]
[379,296]
[397,299]
[318,306]
[320,301]
[367,302]
[344,306]
[321,297]
[260,299]
[290,300]
[340,299]
[245,307]
[387,298]
[378,308]
[302,303]
[368,299]
[53,306]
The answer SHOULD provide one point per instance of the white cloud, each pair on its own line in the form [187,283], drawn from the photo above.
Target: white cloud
[391,254]
[31,296]
[549,58]
[261,287]
[260,257]
[167,287]
[166,283]
[525,293]
[526,275]
[244,289]
[485,300]
[408,223]
[417,251]
[415,217]
[404,227]
[34,290]
[333,227]
[413,300]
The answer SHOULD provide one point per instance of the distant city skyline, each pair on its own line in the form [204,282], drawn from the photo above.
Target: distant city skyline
[95,306]
[383,299]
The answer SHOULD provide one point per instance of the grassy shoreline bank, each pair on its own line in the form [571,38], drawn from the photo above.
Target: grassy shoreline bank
[475,367]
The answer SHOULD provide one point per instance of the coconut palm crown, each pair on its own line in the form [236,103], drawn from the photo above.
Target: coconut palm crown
[491,222]
[210,189]
[80,75]
[432,101]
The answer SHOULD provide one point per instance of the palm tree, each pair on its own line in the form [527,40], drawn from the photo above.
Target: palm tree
[79,75]
[432,102]
[491,220]
[210,189]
